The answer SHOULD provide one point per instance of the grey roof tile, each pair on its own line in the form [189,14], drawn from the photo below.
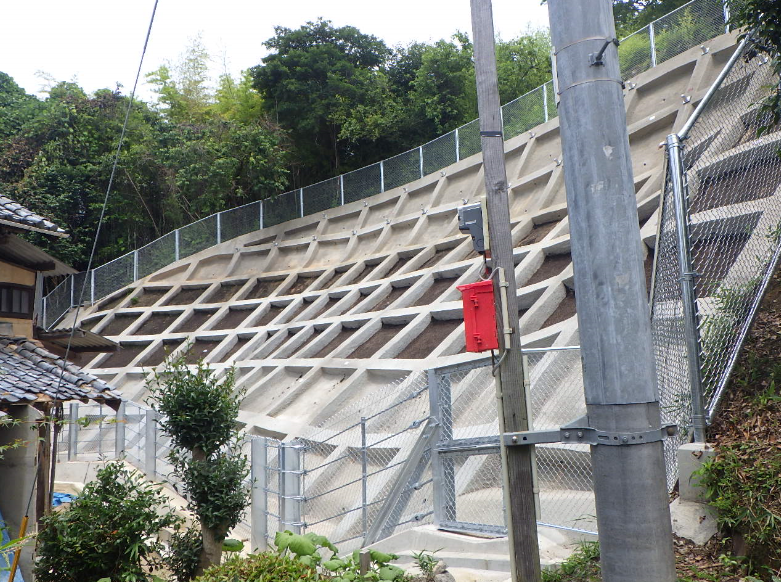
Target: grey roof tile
[28,372]
[14,212]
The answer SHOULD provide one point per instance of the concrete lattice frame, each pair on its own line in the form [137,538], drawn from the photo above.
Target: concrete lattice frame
[335,276]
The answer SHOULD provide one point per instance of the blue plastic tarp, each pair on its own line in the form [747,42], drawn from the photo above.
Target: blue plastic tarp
[7,557]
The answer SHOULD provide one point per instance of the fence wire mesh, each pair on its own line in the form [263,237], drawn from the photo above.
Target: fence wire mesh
[239,221]
[362,183]
[57,303]
[156,255]
[197,236]
[322,196]
[733,177]
[110,277]
[402,169]
[669,336]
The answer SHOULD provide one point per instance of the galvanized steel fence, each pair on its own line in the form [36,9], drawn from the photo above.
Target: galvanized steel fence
[719,239]
[686,27]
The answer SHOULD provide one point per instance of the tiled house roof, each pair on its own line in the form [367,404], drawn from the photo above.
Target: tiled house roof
[15,213]
[29,373]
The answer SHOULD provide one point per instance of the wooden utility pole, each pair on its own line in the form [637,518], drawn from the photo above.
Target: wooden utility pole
[619,376]
[517,461]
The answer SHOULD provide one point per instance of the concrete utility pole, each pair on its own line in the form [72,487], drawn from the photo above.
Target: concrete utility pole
[518,461]
[615,332]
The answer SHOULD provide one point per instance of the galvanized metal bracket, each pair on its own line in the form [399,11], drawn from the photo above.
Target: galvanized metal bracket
[580,432]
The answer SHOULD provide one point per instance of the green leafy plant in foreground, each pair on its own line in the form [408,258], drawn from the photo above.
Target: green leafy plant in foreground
[199,412]
[742,484]
[581,566]
[109,531]
[303,557]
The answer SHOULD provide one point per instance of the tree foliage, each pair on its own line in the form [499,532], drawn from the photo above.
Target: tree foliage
[762,18]
[348,100]
[187,156]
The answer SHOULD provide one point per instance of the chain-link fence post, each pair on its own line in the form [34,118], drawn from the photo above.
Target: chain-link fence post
[258,463]
[290,486]
[119,432]
[219,227]
[176,244]
[458,147]
[73,431]
[442,468]
[420,157]
[150,450]
[364,478]
[652,36]
[688,296]
[341,189]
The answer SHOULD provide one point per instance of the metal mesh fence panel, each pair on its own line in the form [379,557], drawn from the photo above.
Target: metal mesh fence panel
[239,221]
[402,169]
[687,27]
[734,180]
[281,208]
[524,113]
[469,139]
[197,236]
[135,434]
[550,100]
[112,276]
[439,153]
[322,196]
[362,183]
[57,303]
[635,53]
[157,254]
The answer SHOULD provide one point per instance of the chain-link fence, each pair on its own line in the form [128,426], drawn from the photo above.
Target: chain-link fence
[718,244]
[686,27]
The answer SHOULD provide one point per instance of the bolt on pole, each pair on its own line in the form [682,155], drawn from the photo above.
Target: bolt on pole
[619,375]
[517,462]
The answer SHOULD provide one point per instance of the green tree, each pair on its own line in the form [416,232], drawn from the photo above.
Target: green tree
[199,413]
[311,76]
[444,86]
[523,64]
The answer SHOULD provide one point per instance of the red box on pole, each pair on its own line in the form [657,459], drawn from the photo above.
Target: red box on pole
[479,316]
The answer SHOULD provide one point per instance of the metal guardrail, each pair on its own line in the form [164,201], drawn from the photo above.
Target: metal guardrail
[686,27]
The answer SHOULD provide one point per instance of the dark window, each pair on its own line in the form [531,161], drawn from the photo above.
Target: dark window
[16,301]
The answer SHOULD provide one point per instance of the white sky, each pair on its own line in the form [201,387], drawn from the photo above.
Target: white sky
[98,43]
